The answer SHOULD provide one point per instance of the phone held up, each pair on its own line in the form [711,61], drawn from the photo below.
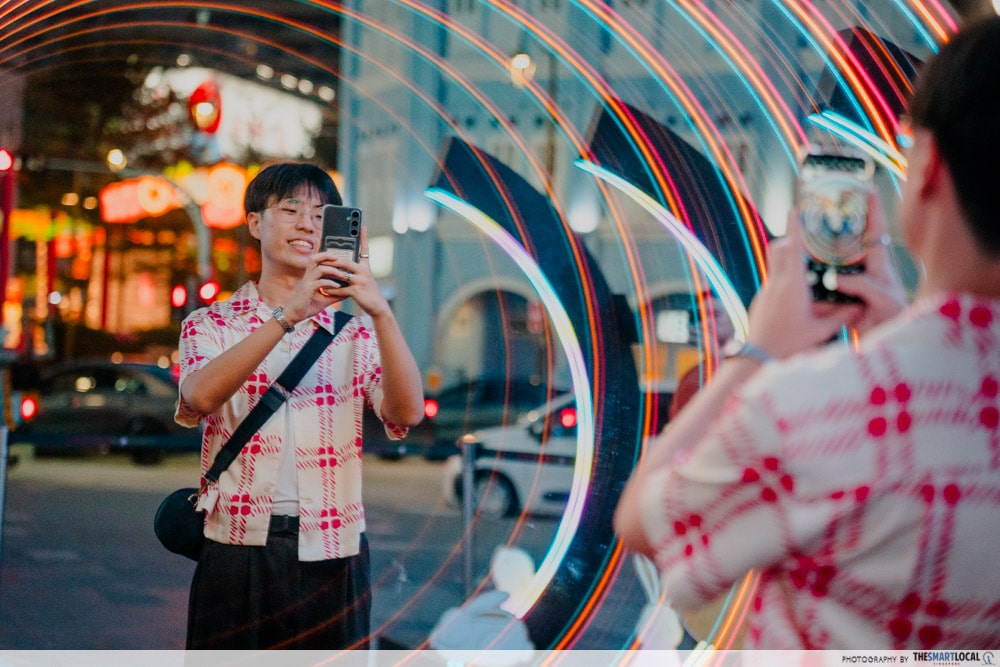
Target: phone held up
[342,232]
[833,189]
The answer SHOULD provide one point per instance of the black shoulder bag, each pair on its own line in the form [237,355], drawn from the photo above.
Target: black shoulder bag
[177,524]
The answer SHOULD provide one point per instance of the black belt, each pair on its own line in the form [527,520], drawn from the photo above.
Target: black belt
[281,523]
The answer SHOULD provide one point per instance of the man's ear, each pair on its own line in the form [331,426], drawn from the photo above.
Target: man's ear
[930,168]
[253,224]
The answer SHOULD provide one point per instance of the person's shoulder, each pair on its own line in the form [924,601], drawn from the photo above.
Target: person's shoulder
[807,378]
[227,311]
[921,333]
[941,320]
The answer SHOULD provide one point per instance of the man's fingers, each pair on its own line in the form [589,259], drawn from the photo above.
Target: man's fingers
[877,238]
[786,253]
[363,244]
[783,257]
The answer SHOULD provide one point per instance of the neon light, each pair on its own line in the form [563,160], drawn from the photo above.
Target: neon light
[714,145]
[880,150]
[860,83]
[566,335]
[742,60]
[734,307]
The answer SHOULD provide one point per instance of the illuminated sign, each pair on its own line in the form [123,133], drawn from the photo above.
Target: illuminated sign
[137,198]
[272,122]
[223,209]
[219,192]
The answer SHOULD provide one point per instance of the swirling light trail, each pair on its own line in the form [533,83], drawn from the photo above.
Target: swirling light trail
[874,108]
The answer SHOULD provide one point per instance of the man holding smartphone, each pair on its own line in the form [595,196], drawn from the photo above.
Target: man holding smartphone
[862,484]
[285,564]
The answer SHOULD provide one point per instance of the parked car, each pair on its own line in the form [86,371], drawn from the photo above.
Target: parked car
[527,467]
[99,405]
[455,411]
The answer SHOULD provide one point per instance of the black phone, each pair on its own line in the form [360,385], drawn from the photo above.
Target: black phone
[342,232]
[833,190]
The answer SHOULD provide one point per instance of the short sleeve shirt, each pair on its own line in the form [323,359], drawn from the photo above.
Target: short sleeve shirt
[863,486]
[322,417]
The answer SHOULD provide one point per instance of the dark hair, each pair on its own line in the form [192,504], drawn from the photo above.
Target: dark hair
[957,98]
[280,181]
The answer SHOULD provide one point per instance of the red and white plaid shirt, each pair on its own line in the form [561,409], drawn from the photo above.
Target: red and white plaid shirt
[323,417]
[863,485]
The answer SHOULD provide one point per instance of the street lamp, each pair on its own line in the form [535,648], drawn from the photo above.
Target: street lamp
[522,68]
[116,160]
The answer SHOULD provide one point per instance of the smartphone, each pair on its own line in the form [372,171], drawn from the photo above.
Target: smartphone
[342,232]
[832,193]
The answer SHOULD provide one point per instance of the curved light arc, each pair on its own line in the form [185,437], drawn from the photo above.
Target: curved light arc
[522,601]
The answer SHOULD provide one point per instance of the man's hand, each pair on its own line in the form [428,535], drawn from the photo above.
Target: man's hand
[360,283]
[784,318]
[879,285]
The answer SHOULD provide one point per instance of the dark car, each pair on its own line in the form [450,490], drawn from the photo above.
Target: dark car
[455,411]
[105,406]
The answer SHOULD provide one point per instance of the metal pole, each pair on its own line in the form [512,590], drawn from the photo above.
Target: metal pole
[8,180]
[3,480]
[469,449]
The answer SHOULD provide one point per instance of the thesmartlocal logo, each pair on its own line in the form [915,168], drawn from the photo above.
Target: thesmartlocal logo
[954,657]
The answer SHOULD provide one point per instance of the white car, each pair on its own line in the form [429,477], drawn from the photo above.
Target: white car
[526,466]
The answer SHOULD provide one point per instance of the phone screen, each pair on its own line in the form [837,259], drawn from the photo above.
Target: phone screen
[833,207]
[833,216]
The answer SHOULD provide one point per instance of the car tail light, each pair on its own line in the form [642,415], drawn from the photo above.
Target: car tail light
[567,417]
[29,407]
[430,408]
[178,296]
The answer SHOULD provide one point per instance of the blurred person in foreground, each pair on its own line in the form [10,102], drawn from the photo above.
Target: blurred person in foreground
[286,563]
[862,484]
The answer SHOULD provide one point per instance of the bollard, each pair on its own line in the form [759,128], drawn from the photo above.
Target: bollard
[469,450]
[4,431]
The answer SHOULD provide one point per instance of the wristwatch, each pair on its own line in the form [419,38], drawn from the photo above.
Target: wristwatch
[278,314]
[748,350]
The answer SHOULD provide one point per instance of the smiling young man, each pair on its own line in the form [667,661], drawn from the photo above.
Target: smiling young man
[285,563]
[863,485]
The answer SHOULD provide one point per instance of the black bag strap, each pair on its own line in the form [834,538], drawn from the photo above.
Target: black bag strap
[276,394]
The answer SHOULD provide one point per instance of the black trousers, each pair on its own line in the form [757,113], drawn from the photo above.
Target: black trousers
[248,598]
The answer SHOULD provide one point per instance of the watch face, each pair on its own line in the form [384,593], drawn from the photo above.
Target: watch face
[832,214]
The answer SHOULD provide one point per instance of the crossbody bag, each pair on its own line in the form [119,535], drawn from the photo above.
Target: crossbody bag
[178,524]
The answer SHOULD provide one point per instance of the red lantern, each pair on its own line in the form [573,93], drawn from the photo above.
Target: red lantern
[205,107]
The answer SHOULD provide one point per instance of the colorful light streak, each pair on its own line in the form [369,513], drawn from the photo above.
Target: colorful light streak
[716,148]
[581,388]
[874,106]
[935,20]
[722,38]
[882,152]
[717,278]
